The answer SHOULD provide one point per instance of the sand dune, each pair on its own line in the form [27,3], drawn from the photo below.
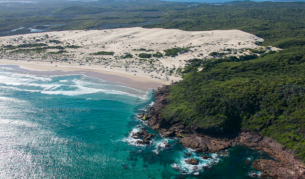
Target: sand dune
[122,41]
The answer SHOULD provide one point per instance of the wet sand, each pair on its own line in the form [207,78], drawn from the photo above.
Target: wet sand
[141,83]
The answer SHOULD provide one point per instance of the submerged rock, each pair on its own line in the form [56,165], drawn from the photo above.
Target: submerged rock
[205,157]
[222,153]
[206,167]
[195,168]
[135,137]
[166,144]
[142,141]
[253,174]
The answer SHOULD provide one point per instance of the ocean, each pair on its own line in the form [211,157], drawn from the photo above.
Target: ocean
[77,126]
[227,1]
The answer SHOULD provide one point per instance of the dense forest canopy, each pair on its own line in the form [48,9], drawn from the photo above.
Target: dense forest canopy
[264,94]
[271,21]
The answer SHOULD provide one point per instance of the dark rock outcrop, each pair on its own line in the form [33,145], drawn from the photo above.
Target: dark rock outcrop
[205,143]
[205,157]
[144,135]
[192,161]
[214,140]
[275,169]
[166,145]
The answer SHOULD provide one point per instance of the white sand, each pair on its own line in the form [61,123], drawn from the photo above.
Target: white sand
[122,41]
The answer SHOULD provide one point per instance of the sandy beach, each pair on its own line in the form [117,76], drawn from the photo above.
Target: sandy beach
[79,51]
[44,68]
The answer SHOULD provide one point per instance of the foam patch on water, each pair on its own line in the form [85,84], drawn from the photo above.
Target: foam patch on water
[81,90]
[131,140]
[77,85]
[6,68]
[186,168]
[160,146]
[20,28]
[152,104]
[254,174]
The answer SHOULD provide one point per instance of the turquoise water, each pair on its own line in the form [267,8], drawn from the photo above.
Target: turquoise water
[226,1]
[75,126]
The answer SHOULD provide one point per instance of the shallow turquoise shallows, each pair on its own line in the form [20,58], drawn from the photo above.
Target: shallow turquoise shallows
[75,126]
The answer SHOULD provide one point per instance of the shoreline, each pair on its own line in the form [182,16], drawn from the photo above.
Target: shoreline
[45,68]
[285,165]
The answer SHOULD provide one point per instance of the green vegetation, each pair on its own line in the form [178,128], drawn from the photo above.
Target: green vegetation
[11,47]
[217,54]
[174,51]
[259,51]
[275,22]
[72,46]
[31,45]
[290,42]
[102,53]
[142,60]
[40,27]
[143,49]
[127,55]
[36,50]
[55,41]
[39,48]
[80,15]
[78,10]
[158,55]
[144,55]
[265,94]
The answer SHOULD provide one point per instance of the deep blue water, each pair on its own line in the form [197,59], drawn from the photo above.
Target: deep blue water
[75,126]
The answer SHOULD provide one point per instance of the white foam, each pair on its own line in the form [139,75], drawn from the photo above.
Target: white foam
[17,79]
[77,86]
[160,145]
[175,166]
[258,173]
[155,151]
[196,173]
[20,28]
[6,68]
[190,150]
[152,104]
[188,168]
[250,158]
[131,140]
[90,99]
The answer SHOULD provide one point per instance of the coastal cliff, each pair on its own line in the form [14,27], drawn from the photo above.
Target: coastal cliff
[285,165]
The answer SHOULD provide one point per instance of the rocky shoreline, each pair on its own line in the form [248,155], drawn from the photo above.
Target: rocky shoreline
[285,165]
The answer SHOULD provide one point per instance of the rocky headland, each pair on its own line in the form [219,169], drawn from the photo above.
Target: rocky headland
[285,165]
